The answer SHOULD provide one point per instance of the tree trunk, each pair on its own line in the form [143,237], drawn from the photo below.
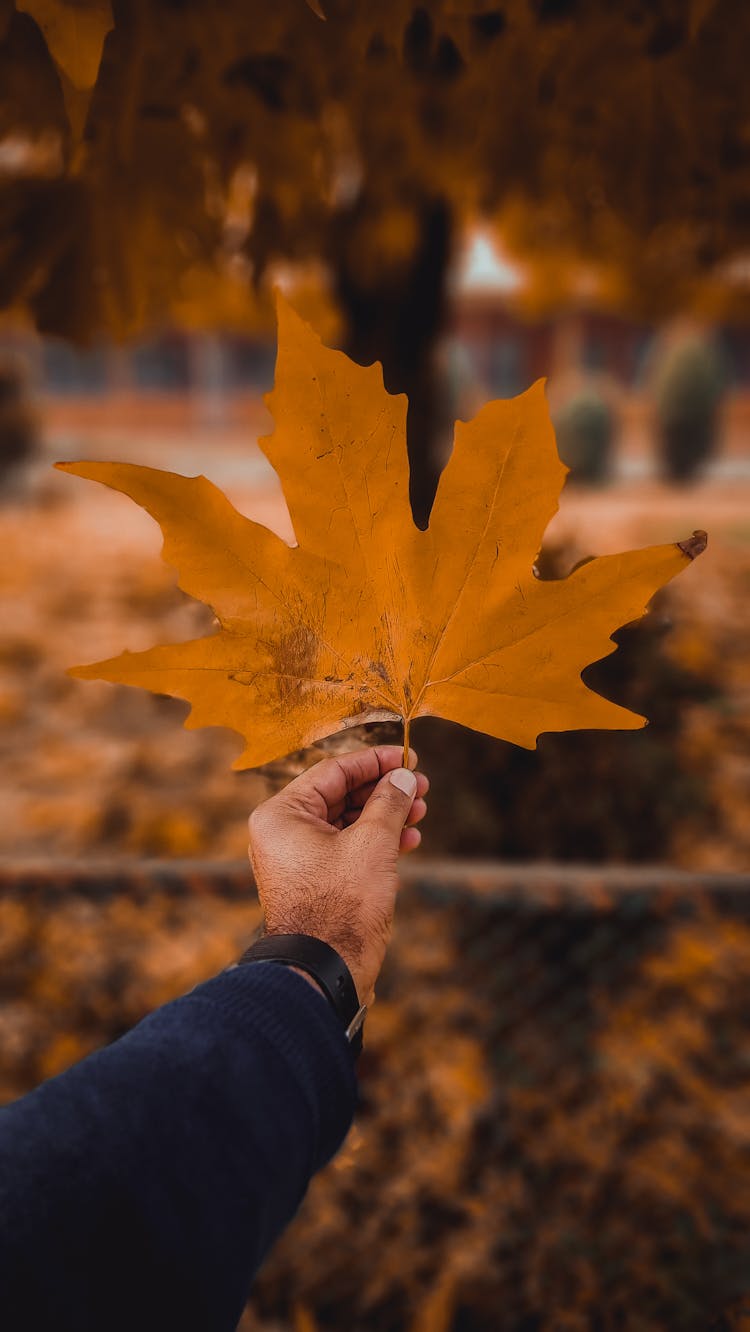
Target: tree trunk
[395,305]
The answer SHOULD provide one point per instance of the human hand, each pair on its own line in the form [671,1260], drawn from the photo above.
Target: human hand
[324,852]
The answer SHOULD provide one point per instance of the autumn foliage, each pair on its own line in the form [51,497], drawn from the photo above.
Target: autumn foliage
[365,137]
[166,159]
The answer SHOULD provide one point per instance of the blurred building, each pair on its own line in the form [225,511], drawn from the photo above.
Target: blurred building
[495,346]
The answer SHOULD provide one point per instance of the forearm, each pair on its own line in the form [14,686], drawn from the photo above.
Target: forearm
[144,1186]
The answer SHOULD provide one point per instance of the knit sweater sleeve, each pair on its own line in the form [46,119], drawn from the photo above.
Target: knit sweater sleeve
[144,1186]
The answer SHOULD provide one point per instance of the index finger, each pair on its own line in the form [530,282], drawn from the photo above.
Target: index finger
[325,786]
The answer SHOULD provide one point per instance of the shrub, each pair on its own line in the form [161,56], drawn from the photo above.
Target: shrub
[689,388]
[585,429]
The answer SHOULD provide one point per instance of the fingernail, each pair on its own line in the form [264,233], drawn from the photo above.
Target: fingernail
[404,780]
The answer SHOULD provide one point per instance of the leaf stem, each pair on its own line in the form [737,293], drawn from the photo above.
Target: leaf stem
[406,741]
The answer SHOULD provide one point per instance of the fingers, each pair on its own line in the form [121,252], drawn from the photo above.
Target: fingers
[389,806]
[323,789]
[410,839]
[415,815]
[356,799]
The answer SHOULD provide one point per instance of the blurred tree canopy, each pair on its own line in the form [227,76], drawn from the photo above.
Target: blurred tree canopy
[153,149]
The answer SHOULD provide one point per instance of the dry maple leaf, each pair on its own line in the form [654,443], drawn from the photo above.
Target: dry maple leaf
[369,617]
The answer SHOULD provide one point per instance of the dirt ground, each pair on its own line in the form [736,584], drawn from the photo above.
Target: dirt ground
[89,768]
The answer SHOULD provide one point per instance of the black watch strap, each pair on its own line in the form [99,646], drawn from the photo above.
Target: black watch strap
[326,966]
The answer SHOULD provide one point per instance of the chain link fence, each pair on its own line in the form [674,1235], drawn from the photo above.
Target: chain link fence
[554,1121]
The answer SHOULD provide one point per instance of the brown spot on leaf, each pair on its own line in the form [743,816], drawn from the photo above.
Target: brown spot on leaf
[295,654]
[695,545]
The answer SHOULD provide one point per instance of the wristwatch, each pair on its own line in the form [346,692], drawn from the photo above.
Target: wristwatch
[325,965]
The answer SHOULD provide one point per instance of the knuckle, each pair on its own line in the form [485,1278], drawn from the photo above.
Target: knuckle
[257,819]
[331,763]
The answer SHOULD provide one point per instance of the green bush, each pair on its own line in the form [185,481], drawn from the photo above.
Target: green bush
[585,429]
[689,389]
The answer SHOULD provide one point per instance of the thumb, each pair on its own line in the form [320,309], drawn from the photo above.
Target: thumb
[389,805]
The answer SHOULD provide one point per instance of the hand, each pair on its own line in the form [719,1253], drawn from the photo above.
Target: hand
[324,852]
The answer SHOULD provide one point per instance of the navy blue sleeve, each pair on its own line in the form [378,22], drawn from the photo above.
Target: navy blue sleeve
[143,1187]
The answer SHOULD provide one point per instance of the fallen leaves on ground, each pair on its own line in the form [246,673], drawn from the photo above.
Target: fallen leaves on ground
[569,1145]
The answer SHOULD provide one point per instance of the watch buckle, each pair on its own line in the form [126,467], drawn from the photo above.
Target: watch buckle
[356,1022]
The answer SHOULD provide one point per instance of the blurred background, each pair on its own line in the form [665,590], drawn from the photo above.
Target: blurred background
[555,1120]
[652,419]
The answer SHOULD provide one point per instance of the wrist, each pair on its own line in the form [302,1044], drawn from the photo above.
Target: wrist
[328,970]
[345,943]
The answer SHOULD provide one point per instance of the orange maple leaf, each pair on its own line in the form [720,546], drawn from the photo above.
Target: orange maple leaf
[368,617]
